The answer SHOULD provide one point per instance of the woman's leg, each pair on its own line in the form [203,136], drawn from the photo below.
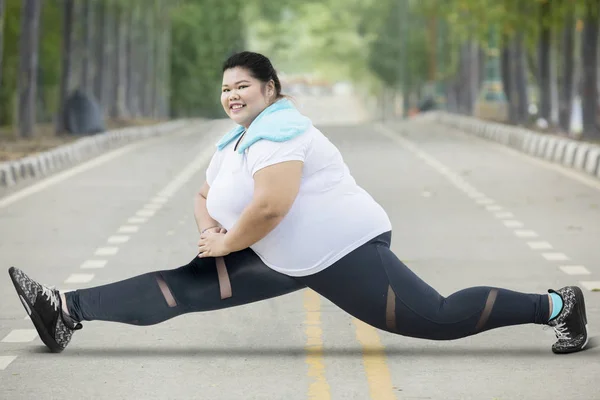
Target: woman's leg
[157,296]
[377,288]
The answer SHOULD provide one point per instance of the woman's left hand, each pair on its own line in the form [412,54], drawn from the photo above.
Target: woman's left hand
[212,244]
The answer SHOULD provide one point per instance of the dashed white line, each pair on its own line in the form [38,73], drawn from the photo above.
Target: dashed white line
[591,285]
[504,214]
[118,239]
[526,234]
[80,278]
[575,270]
[170,233]
[555,256]
[153,206]
[513,224]
[20,336]
[145,213]
[106,251]
[493,208]
[476,195]
[129,229]
[484,201]
[539,245]
[160,200]
[137,220]
[93,264]
[5,361]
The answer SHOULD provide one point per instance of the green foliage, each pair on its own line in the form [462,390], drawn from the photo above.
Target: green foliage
[205,33]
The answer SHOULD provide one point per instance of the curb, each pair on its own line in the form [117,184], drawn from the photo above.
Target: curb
[570,153]
[47,162]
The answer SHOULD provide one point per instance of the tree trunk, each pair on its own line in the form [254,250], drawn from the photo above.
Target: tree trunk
[589,46]
[474,77]
[518,102]
[568,71]
[66,63]
[133,51]
[100,50]
[505,68]
[28,66]
[544,62]
[88,43]
[118,91]
[1,36]
[521,80]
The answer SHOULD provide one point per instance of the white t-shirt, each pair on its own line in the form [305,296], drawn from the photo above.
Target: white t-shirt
[330,217]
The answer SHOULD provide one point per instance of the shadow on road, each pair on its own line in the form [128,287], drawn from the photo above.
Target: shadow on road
[390,352]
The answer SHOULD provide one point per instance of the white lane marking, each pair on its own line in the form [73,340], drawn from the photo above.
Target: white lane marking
[526,234]
[20,336]
[129,229]
[106,251]
[181,222]
[426,194]
[493,208]
[196,165]
[539,245]
[504,214]
[136,220]
[170,233]
[39,186]
[159,200]
[484,201]
[153,206]
[513,224]
[80,278]
[555,256]
[591,285]
[5,361]
[145,213]
[93,264]
[118,239]
[575,270]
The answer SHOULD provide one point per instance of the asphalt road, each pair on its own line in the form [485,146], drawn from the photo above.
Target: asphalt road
[465,212]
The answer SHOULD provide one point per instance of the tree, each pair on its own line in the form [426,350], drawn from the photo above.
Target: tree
[27,82]
[589,52]
[68,7]
[1,35]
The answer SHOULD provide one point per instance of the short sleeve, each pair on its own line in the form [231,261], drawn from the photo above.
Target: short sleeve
[213,167]
[265,152]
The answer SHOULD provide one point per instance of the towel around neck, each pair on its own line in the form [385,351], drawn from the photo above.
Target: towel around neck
[279,122]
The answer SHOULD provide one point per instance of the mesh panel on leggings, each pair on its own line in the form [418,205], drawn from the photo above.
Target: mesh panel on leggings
[487,311]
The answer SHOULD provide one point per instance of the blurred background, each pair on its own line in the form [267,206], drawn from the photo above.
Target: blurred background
[76,67]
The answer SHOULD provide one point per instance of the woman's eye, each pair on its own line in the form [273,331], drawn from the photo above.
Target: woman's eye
[225,90]
[243,86]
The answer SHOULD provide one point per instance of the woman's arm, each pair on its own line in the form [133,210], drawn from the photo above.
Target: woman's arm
[203,219]
[275,189]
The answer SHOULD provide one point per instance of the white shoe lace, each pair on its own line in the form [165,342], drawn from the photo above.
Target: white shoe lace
[46,291]
[562,332]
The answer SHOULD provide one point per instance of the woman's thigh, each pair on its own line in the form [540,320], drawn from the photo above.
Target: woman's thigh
[196,285]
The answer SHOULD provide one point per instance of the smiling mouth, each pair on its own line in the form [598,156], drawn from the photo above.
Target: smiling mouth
[237,107]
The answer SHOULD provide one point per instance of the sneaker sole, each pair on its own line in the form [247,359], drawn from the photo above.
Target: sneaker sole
[35,318]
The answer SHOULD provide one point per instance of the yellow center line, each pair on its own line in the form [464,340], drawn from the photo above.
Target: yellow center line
[374,361]
[319,388]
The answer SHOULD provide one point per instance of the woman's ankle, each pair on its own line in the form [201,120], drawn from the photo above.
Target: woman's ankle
[63,302]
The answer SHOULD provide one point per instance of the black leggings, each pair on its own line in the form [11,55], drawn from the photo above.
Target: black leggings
[370,284]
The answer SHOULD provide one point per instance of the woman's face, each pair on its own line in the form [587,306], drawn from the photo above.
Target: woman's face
[244,97]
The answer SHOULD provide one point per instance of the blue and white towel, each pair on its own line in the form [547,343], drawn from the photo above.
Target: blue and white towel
[279,122]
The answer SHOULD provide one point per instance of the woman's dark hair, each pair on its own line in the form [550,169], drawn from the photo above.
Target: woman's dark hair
[260,68]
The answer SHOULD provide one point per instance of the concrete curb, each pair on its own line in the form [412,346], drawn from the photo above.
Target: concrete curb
[45,163]
[570,153]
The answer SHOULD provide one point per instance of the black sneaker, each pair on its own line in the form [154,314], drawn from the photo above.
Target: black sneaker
[570,325]
[43,305]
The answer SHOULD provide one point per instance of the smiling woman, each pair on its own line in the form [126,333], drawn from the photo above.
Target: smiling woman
[280,211]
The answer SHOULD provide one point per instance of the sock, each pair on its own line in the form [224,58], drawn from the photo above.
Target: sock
[557,304]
